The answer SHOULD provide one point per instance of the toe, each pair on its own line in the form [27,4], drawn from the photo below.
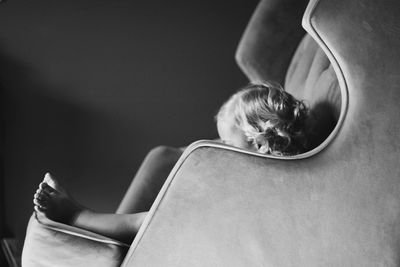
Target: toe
[42,192]
[37,202]
[46,188]
[38,209]
[52,182]
[41,196]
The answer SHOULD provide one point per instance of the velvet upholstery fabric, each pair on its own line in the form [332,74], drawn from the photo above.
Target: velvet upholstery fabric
[270,39]
[48,243]
[311,77]
[337,206]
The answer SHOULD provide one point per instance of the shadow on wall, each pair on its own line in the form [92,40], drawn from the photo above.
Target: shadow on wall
[46,132]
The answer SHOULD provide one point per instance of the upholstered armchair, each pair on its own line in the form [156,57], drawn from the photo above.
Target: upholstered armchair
[337,205]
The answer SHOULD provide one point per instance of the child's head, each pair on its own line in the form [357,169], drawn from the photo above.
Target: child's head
[264,118]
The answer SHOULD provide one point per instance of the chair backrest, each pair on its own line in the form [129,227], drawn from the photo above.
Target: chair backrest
[274,47]
[339,206]
[311,77]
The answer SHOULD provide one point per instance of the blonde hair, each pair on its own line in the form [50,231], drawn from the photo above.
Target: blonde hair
[272,120]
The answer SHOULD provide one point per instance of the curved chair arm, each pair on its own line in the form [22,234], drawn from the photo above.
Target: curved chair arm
[49,243]
[270,39]
[223,206]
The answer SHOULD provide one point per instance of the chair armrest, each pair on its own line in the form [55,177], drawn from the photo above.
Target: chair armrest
[223,206]
[270,39]
[48,243]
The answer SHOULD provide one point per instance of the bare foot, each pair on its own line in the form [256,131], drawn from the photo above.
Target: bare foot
[54,201]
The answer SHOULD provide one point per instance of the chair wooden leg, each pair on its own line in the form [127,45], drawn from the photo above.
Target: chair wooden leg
[12,251]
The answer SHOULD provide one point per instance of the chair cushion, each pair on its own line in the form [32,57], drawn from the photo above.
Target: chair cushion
[310,77]
[48,243]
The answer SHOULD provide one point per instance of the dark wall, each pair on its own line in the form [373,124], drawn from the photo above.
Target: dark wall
[91,86]
[2,205]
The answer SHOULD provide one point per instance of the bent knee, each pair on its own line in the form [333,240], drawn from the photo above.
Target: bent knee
[164,152]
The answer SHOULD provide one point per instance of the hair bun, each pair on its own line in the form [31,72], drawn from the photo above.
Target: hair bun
[272,119]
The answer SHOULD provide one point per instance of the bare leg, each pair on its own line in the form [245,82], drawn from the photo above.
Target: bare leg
[57,205]
[122,227]
[149,179]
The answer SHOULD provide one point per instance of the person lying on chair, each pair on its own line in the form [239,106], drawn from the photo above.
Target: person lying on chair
[260,117]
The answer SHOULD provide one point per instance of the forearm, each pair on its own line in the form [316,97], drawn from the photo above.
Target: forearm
[122,227]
